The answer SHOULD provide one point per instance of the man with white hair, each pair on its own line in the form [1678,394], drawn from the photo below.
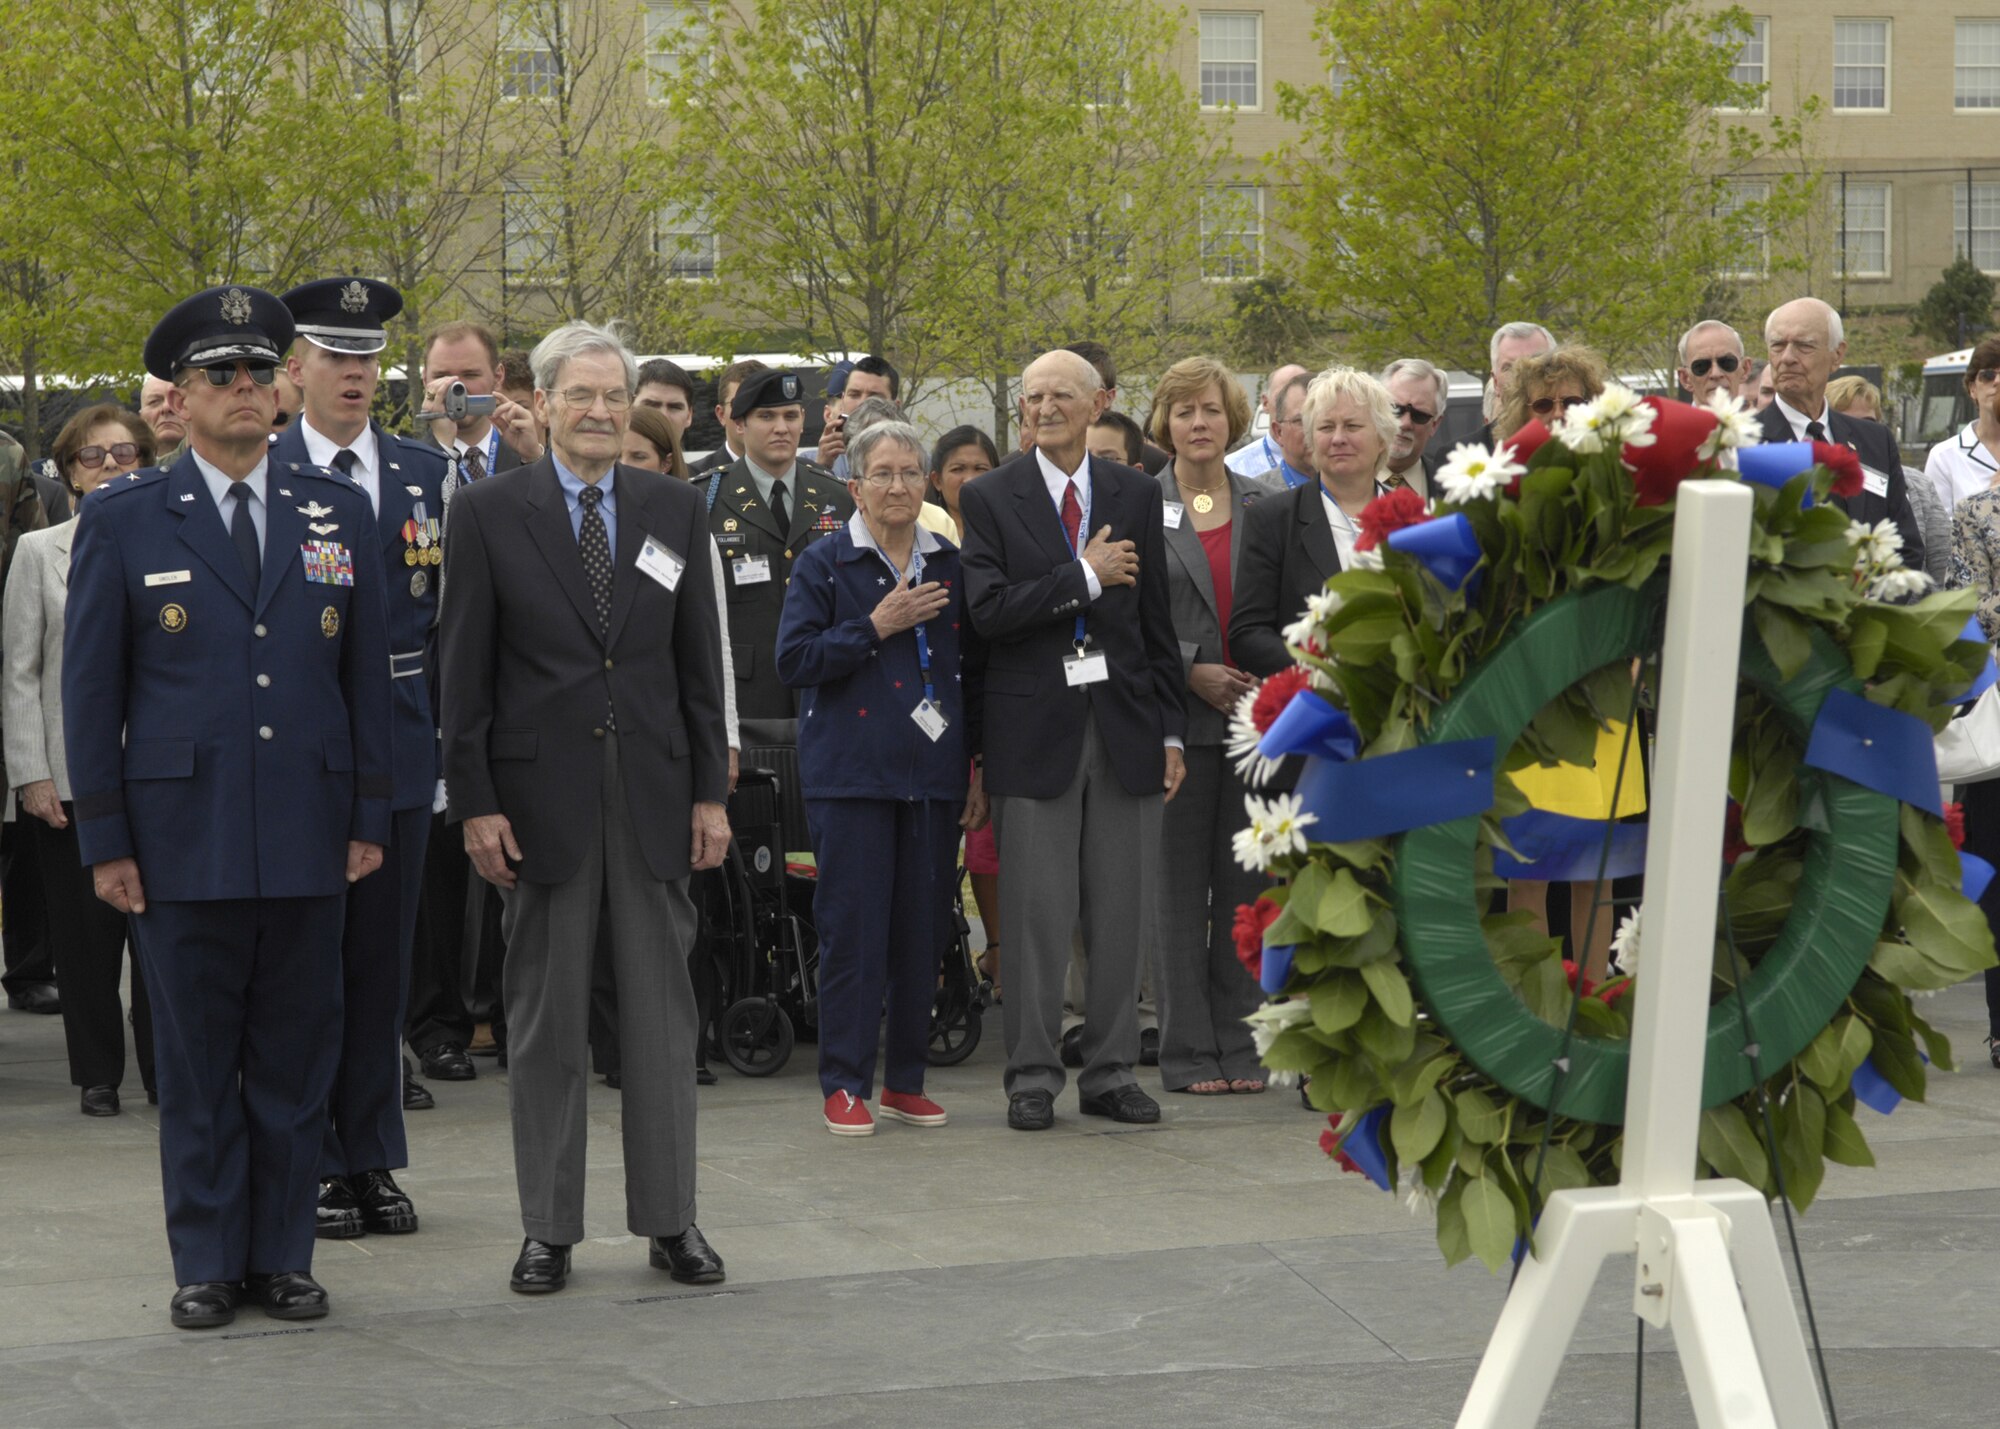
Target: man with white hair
[584,750]
[1510,345]
[1807,345]
[1263,453]
[1417,391]
[1712,361]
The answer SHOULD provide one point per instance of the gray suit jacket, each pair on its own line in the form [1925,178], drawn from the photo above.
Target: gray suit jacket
[31,686]
[1191,589]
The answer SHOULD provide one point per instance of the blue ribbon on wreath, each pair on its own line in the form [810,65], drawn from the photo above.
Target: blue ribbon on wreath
[1445,547]
[1974,874]
[1878,748]
[1872,1089]
[1559,848]
[1985,679]
[1775,463]
[1390,794]
[1363,1146]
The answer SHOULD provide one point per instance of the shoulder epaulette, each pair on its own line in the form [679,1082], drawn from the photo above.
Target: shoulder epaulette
[130,481]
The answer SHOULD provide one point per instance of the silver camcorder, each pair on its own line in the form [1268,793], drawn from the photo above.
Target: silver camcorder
[458,404]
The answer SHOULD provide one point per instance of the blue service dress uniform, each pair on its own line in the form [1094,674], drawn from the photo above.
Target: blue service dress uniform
[365,1113]
[232,741]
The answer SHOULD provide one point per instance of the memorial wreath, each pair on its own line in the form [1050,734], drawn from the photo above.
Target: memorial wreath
[1513,625]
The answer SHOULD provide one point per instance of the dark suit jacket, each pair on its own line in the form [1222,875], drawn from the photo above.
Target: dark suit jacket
[1025,589]
[1192,588]
[1286,557]
[55,497]
[744,528]
[1876,447]
[528,676]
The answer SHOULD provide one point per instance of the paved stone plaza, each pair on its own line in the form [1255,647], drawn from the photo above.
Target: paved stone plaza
[1210,1271]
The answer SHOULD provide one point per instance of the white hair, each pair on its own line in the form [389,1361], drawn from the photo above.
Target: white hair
[1836,333]
[573,340]
[1707,325]
[889,431]
[1519,332]
[1418,368]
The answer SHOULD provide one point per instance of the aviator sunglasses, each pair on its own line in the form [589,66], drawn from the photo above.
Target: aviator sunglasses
[1699,367]
[262,373]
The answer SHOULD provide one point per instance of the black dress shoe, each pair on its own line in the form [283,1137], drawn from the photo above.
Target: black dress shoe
[614,1079]
[100,1101]
[152,1096]
[1031,1111]
[705,1076]
[1149,1047]
[203,1306]
[286,1294]
[540,1268]
[338,1216]
[416,1096]
[36,997]
[686,1257]
[1126,1103]
[447,1062]
[385,1206]
[1072,1046]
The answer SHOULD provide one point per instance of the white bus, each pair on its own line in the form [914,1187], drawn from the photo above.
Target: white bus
[1941,406]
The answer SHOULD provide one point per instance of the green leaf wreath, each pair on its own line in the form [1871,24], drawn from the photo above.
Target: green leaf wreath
[1389,642]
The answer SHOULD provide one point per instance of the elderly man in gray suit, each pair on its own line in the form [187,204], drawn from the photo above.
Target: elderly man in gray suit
[583,729]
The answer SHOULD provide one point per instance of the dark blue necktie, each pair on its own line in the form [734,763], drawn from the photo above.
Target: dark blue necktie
[243,531]
[343,462]
[595,544]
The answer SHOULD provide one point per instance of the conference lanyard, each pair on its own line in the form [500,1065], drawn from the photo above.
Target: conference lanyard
[1083,494]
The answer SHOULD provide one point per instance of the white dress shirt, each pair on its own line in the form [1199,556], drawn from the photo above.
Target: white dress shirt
[367,460]
[1961,466]
[1799,419]
[1057,481]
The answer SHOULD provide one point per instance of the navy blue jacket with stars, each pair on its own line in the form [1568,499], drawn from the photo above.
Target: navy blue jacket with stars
[857,739]
[232,740]
[412,488]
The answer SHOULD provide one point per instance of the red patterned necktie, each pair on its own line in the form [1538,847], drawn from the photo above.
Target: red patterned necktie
[1072,517]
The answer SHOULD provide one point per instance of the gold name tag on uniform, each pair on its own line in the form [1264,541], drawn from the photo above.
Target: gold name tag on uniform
[169,578]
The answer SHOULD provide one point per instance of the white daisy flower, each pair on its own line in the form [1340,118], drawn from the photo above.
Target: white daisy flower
[1735,426]
[1276,828]
[1898,583]
[1615,418]
[1243,740]
[1274,1017]
[1625,944]
[1472,473]
[1880,545]
[1281,1078]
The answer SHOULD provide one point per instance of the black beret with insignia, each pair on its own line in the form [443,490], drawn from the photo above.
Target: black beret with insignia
[767,389]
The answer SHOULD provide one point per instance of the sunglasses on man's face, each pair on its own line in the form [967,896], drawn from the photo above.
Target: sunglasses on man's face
[1543,406]
[1725,363]
[262,373]
[123,453]
[1417,415]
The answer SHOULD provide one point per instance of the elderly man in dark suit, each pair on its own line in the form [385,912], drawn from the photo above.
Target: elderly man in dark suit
[1807,347]
[583,746]
[1065,573]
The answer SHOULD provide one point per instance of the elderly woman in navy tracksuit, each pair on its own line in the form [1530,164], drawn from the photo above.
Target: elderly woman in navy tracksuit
[875,638]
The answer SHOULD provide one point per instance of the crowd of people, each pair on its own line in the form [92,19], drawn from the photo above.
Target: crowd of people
[357,833]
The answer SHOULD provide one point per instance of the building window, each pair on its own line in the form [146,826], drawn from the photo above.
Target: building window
[1861,65]
[529,231]
[684,242]
[1232,231]
[527,63]
[1752,68]
[1752,260]
[382,39]
[1865,231]
[1977,232]
[677,45]
[1230,41]
[1976,60]
[1337,75]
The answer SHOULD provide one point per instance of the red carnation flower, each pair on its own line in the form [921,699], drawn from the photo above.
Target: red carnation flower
[1954,824]
[1387,513]
[1275,693]
[1614,992]
[1678,432]
[1329,1144]
[1843,463]
[1575,974]
[1251,921]
[1733,846]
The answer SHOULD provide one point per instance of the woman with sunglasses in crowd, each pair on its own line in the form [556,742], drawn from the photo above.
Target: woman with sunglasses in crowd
[87,935]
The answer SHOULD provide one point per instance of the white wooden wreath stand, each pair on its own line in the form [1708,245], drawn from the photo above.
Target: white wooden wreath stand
[1707,1258]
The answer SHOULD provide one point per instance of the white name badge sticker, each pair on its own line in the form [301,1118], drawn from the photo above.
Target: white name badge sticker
[751,570]
[661,564]
[1087,667]
[1171,512]
[1874,482]
[169,578]
[930,719]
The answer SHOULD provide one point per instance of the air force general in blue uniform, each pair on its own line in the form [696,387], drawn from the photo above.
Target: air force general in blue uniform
[226,703]
[340,329]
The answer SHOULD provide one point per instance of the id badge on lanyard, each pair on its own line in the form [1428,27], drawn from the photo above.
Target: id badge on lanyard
[1086,666]
[928,716]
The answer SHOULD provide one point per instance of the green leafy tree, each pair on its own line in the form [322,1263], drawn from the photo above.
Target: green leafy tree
[1958,307]
[1489,160]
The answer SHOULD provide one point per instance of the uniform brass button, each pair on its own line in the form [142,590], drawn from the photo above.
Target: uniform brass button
[264,732]
[261,632]
[788,555]
[607,664]
[263,682]
[597,734]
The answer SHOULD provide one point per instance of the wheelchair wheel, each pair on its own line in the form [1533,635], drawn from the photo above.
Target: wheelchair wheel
[756,1036]
[954,1033]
